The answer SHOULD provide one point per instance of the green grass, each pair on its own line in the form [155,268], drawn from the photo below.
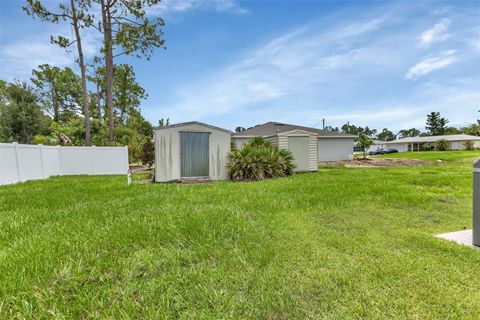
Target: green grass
[449,156]
[343,243]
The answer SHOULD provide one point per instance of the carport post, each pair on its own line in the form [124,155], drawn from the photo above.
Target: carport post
[476,203]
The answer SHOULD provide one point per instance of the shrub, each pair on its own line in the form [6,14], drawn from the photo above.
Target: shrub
[442,145]
[148,153]
[427,146]
[259,142]
[129,137]
[258,160]
[469,145]
[233,146]
[46,140]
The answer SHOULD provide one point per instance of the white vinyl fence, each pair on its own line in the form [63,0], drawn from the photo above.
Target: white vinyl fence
[22,162]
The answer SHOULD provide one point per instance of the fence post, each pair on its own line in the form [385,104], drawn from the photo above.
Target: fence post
[93,153]
[42,165]
[129,177]
[126,156]
[17,161]
[476,203]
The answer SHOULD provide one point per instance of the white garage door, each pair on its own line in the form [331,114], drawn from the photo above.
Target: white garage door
[298,146]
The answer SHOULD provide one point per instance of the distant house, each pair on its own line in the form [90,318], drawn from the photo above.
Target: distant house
[309,146]
[454,142]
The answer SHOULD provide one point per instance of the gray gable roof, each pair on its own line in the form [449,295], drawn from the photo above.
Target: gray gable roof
[190,123]
[273,128]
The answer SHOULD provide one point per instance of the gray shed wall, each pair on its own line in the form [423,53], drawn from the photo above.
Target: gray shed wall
[240,141]
[335,149]
[167,152]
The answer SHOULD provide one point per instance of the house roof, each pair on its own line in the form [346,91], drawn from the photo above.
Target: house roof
[176,125]
[375,142]
[452,137]
[273,128]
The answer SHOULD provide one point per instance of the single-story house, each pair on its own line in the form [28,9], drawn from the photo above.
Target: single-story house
[454,142]
[191,150]
[377,145]
[309,146]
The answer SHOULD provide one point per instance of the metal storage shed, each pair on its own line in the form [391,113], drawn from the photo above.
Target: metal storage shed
[191,150]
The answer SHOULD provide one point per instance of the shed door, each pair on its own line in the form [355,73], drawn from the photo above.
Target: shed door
[298,146]
[194,154]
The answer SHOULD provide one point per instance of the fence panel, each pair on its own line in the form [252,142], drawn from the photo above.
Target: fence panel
[51,160]
[19,162]
[76,160]
[30,162]
[109,161]
[8,164]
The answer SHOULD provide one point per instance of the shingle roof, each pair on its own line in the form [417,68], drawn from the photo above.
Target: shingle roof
[190,123]
[452,137]
[273,128]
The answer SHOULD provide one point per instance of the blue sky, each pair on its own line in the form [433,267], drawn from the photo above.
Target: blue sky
[230,63]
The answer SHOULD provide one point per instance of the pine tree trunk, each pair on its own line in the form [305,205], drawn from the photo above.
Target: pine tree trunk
[86,102]
[56,116]
[107,36]
[99,103]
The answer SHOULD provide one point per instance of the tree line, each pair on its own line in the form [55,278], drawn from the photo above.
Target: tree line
[435,125]
[101,105]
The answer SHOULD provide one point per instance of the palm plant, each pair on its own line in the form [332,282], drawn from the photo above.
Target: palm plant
[442,145]
[469,145]
[258,160]
[364,142]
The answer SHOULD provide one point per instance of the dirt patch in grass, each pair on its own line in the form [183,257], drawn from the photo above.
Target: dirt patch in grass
[380,162]
[144,181]
[447,200]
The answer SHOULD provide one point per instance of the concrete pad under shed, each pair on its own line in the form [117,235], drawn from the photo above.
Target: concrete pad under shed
[463,237]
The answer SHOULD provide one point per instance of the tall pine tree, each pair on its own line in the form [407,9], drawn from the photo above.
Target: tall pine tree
[436,125]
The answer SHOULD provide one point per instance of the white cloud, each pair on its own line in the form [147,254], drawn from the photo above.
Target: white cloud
[18,58]
[285,66]
[431,63]
[442,10]
[437,33]
[475,43]
[347,71]
[182,6]
[385,114]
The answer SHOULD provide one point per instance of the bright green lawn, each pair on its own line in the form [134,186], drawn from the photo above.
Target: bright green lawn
[450,156]
[342,243]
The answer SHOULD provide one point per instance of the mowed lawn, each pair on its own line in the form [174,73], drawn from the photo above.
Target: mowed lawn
[343,243]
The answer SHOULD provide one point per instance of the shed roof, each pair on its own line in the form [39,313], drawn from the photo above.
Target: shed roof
[183,124]
[452,137]
[273,128]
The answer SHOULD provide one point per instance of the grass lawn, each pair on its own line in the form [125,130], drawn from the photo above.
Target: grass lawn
[450,156]
[338,244]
